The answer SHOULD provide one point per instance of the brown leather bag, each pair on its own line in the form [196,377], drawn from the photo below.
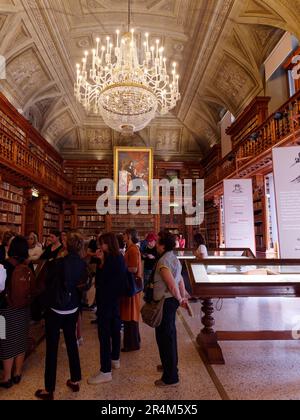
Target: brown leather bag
[152,313]
[21,287]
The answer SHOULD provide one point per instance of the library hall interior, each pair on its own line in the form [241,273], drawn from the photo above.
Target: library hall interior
[149,200]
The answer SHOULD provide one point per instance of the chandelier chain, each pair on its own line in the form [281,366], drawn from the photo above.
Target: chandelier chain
[129,14]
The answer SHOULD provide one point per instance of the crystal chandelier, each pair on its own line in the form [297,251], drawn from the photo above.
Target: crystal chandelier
[125,91]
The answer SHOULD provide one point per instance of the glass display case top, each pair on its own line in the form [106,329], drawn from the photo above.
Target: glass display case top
[260,272]
[188,254]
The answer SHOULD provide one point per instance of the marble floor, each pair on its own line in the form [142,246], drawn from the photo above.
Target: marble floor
[253,370]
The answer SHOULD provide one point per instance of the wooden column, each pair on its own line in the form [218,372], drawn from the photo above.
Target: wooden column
[207,339]
[74,208]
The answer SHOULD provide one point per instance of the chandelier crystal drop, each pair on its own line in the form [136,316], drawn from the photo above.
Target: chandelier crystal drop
[127,93]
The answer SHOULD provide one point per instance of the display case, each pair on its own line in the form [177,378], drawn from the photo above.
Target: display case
[219,253]
[236,278]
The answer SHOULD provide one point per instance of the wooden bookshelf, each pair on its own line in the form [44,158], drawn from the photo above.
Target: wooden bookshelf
[11,207]
[67,218]
[88,221]
[85,175]
[174,222]
[212,224]
[143,223]
[51,217]
[259,206]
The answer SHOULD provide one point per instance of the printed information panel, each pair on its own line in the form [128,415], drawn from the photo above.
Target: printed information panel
[239,214]
[286,162]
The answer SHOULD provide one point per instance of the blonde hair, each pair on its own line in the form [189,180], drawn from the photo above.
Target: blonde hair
[36,239]
[75,242]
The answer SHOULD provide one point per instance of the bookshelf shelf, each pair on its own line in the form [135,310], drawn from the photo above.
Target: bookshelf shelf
[51,217]
[11,207]
[88,221]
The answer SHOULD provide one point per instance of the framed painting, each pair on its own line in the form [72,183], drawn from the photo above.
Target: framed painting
[133,172]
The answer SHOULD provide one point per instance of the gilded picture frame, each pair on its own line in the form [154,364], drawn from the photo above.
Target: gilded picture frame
[133,166]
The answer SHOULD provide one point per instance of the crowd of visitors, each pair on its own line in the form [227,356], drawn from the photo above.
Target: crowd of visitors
[73,266]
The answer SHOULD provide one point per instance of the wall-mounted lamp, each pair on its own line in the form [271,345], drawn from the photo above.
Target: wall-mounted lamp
[34,192]
[254,136]
[231,157]
[278,116]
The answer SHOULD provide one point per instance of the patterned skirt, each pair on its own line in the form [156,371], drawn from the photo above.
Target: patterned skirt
[17,331]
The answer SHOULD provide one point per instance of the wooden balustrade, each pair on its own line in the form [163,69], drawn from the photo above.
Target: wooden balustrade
[19,158]
[281,128]
[23,150]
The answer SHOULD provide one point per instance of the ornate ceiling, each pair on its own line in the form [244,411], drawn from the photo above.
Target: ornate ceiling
[220,46]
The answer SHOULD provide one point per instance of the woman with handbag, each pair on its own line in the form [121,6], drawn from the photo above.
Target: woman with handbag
[168,285]
[110,279]
[131,306]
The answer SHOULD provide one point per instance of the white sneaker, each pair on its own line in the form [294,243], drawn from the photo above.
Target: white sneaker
[100,378]
[80,341]
[115,364]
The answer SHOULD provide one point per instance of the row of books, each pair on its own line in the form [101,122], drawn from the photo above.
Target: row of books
[9,126]
[50,224]
[8,187]
[257,205]
[50,216]
[14,208]
[91,218]
[94,225]
[10,218]
[52,210]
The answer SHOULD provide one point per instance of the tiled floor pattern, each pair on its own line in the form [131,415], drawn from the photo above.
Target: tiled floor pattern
[253,370]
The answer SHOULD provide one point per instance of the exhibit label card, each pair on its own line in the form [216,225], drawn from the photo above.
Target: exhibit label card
[239,214]
[286,162]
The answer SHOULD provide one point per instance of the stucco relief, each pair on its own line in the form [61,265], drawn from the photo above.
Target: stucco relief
[21,35]
[233,82]
[83,42]
[58,127]
[168,140]
[94,5]
[135,140]
[98,139]
[69,142]
[263,34]
[27,73]
[2,20]
[293,6]
[44,105]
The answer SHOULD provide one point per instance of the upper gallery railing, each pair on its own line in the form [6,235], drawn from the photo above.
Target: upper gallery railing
[283,125]
[24,150]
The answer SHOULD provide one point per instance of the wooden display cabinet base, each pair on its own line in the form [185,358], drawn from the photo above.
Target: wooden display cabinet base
[207,339]
[211,349]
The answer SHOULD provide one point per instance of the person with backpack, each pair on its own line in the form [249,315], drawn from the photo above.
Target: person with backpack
[15,303]
[66,277]
[110,282]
